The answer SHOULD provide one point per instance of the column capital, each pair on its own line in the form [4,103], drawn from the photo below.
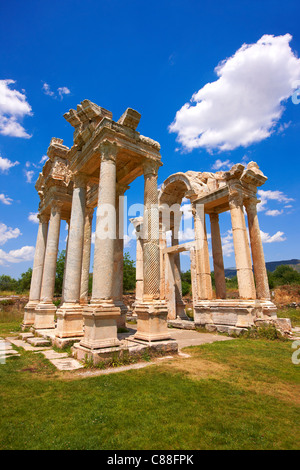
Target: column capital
[43,218]
[150,167]
[89,212]
[236,198]
[108,150]
[80,180]
[121,188]
[214,216]
[250,204]
[56,206]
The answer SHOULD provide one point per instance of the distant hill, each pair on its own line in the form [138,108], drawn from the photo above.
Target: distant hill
[271,266]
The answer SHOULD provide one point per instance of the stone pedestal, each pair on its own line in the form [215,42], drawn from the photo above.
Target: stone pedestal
[29,315]
[44,316]
[152,321]
[100,326]
[69,321]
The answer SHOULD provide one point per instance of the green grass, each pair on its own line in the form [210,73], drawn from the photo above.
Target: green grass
[292,313]
[10,321]
[239,394]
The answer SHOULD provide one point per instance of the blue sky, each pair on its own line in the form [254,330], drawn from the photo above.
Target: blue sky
[153,57]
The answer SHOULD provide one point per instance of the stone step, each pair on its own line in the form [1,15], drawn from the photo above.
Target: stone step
[67,363]
[22,344]
[25,336]
[38,341]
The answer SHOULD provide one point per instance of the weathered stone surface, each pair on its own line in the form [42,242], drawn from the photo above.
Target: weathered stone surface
[38,342]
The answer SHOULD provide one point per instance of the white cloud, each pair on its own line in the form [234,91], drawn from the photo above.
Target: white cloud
[32,217]
[227,243]
[277,237]
[274,212]
[186,210]
[265,196]
[26,253]
[5,200]
[186,234]
[13,106]
[44,159]
[6,164]
[7,233]
[245,103]
[29,175]
[221,164]
[63,90]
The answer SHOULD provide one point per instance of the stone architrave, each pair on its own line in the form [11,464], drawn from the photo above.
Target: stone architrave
[69,315]
[45,310]
[37,272]
[100,317]
[152,312]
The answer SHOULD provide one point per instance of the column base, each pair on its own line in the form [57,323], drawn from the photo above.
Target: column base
[152,321]
[238,313]
[29,315]
[121,321]
[69,320]
[100,325]
[180,311]
[44,316]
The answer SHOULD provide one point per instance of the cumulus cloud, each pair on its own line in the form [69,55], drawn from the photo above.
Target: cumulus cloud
[186,210]
[269,195]
[44,159]
[29,175]
[221,164]
[26,253]
[274,212]
[7,233]
[5,200]
[32,217]
[277,237]
[227,243]
[6,164]
[246,102]
[61,91]
[13,107]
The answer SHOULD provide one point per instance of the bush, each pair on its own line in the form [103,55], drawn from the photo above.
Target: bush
[128,273]
[186,287]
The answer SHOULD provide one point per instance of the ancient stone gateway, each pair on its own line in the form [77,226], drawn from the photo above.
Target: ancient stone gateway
[212,194]
[95,173]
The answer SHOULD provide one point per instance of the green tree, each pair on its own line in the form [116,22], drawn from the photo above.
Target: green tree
[23,283]
[128,273]
[60,268]
[284,274]
[186,277]
[7,283]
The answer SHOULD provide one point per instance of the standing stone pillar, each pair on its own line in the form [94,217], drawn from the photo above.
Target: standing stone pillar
[162,247]
[69,315]
[86,256]
[152,312]
[64,278]
[118,255]
[37,272]
[194,275]
[180,305]
[259,265]
[100,317]
[241,245]
[202,254]
[217,256]
[45,310]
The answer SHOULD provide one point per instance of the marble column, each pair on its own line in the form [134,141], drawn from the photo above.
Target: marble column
[202,254]
[194,275]
[217,256]
[162,247]
[45,310]
[100,316]
[259,265]
[64,279]
[37,272]
[69,315]
[180,305]
[152,312]
[86,256]
[241,246]
[118,255]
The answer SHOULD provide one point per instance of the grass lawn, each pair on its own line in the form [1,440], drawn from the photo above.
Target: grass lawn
[292,313]
[240,394]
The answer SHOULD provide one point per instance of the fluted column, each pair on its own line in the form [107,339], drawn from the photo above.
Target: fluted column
[64,278]
[202,254]
[194,275]
[217,256]
[241,245]
[152,312]
[37,272]
[69,315]
[180,306]
[86,256]
[259,265]
[45,310]
[162,246]
[100,316]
